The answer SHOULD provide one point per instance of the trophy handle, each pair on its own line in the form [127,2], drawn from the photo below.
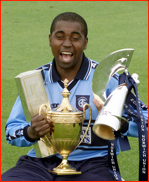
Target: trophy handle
[88,123]
[44,111]
[47,136]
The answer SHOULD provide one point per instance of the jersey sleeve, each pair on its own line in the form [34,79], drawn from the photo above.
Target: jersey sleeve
[130,128]
[16,127]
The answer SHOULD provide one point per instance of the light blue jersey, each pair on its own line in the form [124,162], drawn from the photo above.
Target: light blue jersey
[81,93]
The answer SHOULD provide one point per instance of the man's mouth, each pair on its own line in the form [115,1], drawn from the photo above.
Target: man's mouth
[66,56]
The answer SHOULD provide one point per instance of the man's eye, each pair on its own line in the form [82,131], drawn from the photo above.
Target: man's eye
[75,38]
[59,37]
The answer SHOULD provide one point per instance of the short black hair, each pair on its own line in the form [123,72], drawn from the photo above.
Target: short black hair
[72,17]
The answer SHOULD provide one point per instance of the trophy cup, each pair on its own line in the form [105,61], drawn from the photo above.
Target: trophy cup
[68,123]
[108,119]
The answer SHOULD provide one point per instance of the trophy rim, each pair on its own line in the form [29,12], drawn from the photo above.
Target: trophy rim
[65,113]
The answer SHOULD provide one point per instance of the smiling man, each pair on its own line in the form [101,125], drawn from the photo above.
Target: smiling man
[68,40]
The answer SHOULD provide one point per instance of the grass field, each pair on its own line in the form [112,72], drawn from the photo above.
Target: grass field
[112,25]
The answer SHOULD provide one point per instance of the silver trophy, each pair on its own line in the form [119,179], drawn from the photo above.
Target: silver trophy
[108,119]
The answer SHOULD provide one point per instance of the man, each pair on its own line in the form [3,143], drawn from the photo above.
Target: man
[68,39]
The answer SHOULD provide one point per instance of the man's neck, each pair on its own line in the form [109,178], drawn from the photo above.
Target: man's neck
[70,74]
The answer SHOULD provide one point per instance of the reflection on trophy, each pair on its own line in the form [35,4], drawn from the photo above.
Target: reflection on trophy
[67,131]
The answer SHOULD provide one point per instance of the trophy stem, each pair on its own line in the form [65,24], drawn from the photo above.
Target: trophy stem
[64,168]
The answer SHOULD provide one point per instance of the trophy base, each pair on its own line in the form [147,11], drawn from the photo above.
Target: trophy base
[65,172]
[64,168]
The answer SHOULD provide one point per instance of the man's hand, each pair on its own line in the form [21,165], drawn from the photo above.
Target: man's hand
[97,104]
[39,127]
[122,123]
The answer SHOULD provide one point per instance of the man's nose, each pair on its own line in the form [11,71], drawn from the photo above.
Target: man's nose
[67,42]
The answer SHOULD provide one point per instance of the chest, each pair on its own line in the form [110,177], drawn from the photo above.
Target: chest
[81,93]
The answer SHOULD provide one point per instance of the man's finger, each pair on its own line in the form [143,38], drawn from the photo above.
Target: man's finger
[97,104]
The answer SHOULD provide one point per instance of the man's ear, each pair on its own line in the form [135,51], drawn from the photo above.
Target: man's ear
[85,43]
[50,40]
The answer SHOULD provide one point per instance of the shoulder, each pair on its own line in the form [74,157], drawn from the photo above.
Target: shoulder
[91,67]
[93,63]
[45,66]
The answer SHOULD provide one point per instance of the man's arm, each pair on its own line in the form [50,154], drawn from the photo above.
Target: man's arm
[21,133]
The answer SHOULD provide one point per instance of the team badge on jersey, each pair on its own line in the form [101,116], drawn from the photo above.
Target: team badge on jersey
[81,100]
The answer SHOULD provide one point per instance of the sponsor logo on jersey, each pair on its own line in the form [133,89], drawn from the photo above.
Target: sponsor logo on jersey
[81,100]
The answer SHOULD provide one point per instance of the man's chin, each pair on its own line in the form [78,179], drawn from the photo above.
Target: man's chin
[66,66]
[66,63]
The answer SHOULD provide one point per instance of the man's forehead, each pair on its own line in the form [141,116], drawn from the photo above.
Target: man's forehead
[68,26]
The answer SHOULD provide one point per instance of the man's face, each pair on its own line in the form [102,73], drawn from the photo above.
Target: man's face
[67,43]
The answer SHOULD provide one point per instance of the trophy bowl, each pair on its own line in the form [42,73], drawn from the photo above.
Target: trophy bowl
[68,123]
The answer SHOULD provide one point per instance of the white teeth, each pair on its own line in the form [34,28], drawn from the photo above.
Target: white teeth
[66,53]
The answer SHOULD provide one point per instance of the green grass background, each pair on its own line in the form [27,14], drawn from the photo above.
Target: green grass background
[112,25]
